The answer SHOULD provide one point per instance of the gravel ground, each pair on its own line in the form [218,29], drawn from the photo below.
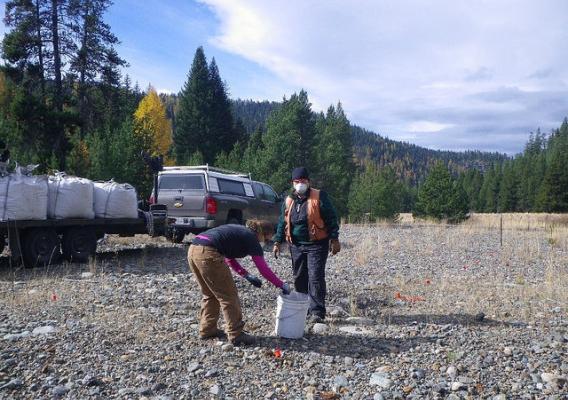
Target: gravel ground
[413,312]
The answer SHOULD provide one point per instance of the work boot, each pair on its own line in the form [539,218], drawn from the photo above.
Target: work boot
[244,339]
[220,334]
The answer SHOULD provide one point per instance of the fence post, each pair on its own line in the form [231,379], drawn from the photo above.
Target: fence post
[501,230]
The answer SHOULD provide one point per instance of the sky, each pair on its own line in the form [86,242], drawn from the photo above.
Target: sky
[444,74]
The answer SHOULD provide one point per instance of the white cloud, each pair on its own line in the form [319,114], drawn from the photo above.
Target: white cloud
[427,126]
[384,58]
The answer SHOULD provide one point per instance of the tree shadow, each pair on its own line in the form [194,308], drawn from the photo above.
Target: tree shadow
[147,259]
[344,345]
[443,319]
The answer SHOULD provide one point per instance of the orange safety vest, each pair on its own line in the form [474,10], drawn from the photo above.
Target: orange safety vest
[316,225]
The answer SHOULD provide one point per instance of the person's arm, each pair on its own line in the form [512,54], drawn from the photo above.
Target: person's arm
[279,235]
[329,215]
[235,266]
[266,272]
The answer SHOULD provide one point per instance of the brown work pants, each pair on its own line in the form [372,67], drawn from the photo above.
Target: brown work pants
[219,291]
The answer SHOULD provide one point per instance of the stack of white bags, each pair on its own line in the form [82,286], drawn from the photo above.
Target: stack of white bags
[24,196]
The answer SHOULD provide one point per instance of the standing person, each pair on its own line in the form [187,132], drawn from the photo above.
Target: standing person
[210,255]
[308,222]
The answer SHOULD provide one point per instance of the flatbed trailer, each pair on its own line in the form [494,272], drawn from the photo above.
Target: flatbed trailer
[41,242]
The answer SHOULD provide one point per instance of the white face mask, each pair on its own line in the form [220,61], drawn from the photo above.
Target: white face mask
[300,187]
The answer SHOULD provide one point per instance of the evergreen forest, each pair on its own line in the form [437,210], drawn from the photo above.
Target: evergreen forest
[66,105]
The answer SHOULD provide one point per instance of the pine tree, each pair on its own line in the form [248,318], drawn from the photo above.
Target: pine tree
[375,195]
[333,156]
[553,196]
[221,119]
[95,43]
[193,130]
[508,190]
[287,142]
[440,197]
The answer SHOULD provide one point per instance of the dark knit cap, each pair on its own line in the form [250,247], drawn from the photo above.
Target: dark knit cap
[300,173]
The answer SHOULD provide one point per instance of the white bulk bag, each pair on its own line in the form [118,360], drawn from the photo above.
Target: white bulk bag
[70,197]
[115,200]
[23,197]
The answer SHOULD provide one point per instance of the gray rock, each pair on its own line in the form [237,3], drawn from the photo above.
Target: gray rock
[556,381]
[360,321]
[212,373]
[144,391]
[378,396]
[457,386]
[59,391]
[12,337]
[320,328]
[13,384]
[451,371]
[340,382]
[216,390]
[44,330]
[500,396]
[355,330]
[227,347]
[419,374]
[193,367]
[158,387]
[90,380]
[380,379]
[348,361]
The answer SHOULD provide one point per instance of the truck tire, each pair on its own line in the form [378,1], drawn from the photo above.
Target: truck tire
[79,244]
[41,247]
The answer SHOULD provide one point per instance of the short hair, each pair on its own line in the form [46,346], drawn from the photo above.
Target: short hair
[259,226]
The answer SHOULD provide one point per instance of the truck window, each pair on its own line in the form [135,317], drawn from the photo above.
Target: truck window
[181,182]
[258,190]
[231,187]
[269,194]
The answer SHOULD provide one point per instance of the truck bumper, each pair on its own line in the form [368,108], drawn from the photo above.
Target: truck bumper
[190,223]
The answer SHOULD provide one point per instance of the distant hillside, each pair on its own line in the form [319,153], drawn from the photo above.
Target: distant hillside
[410,162]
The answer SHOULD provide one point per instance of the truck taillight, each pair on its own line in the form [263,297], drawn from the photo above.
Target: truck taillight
[151,200]
[211,205]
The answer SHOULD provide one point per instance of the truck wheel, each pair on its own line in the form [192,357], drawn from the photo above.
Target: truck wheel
[176,236]
[41,247]
[79,244]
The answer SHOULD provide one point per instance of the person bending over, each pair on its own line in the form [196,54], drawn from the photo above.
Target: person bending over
[210,256]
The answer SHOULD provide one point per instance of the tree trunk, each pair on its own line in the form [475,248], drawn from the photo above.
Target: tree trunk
[57,100]
[40,50]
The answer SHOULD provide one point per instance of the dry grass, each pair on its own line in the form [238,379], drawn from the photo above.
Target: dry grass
[530,268]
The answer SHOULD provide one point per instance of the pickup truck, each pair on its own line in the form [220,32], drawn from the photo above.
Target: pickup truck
[203,197]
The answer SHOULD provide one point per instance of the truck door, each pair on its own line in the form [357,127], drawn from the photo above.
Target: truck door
[272,204]
[184,194]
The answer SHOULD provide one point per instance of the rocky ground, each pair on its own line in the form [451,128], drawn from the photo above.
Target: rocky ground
[414,312]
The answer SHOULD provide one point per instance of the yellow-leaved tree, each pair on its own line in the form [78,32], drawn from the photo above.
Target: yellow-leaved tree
[152,124]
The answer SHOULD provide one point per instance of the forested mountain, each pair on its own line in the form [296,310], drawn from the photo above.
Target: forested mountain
[411,163]
[65,105]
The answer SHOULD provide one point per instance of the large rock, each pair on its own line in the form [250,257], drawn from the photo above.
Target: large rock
[380,379]
[355,330]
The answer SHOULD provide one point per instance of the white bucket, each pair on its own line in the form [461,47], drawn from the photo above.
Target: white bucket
[291,312]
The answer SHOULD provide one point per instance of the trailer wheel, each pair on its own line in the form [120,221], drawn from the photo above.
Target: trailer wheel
[41,247]
[79,244]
